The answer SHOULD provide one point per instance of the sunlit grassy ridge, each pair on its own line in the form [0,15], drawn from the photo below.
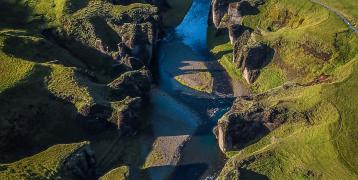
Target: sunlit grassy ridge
[308,41]
[45,84]
[64,83]
[200,81]
[45,165]
[321,148]
[348,8]
[119,173]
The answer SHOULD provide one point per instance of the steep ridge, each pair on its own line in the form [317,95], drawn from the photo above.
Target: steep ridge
[72,71]
[299,60]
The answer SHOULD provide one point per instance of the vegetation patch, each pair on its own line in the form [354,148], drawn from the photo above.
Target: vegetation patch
[270,77]
[120,173]
[44,165]
[52,75]
[200,81]
[346,7]
[310,43]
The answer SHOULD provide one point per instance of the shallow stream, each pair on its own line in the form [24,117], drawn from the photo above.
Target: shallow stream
[180,115]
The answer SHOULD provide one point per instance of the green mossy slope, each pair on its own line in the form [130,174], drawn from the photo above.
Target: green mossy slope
[307,39]
[52,77]
[322,147]
[309,42]
[40,166]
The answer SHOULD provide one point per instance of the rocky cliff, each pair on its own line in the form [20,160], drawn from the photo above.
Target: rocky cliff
[249,54]
[246,122]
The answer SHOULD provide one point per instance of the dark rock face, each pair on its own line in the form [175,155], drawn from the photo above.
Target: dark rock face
[126,116]
[239,34]
[248,55]
[139,39]
[80,165]
[241,40]
[251,58]
[245,123]
[234,10]
[132,83]
[218,11]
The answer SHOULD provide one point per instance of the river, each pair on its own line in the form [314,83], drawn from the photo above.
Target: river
[182,119]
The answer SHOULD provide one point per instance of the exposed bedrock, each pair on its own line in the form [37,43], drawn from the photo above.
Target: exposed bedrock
[226,12]
[80,164]
[247,122]
[139,40]
[218,10]
[249,54]
[106,58]
[251,58]
[125,45]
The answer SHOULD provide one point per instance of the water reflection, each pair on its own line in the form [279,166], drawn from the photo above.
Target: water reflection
[194,26]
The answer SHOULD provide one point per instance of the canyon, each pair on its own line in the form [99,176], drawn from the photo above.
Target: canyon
[170,89]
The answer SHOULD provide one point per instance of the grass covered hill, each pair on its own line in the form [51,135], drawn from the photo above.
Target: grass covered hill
[69,70]
[312,77]
[346,7]
[307,39]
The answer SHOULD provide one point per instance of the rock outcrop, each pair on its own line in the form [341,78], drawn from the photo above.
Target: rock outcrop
[252,58]
[140,39]
[87,70]
[245,123]
[248,54]
[218,10]
[132,83]
[122,45]
[80,164]
[228,12]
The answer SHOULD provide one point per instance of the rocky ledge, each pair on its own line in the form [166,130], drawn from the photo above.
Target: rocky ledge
[249,54]
[247,122]
[80,164]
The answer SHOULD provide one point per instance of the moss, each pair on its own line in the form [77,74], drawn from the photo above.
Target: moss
[154,157]
[50,71]
[65,84]
[120,173]
[44,165]
[346,7]
[13,70]
[200,81]
[321,143]
[321,146]
[308,41]
[270,77]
